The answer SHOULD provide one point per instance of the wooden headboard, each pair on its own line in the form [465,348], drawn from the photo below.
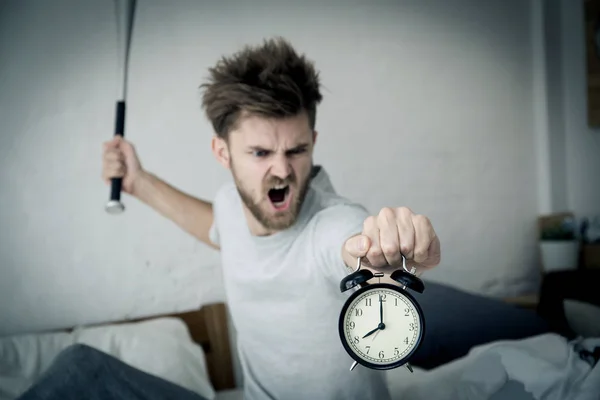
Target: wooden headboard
[208,327]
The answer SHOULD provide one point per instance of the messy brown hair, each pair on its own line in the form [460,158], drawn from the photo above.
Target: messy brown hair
[270,80]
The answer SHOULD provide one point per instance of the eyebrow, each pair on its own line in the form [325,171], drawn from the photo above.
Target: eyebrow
[301,146]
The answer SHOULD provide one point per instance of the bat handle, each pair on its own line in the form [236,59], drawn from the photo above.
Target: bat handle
[114,205]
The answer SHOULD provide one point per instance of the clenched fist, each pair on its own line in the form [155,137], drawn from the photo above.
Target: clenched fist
[119,160]
[392,233]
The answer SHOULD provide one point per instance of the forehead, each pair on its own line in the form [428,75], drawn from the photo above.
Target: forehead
[271,132]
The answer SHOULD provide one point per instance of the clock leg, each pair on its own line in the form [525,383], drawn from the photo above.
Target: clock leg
[353,365]
[409,367]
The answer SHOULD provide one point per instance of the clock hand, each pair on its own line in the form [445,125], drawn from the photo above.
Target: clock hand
[381,326]
[375,335]
[380,309]
[372,332]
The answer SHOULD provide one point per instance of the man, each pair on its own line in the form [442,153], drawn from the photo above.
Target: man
[286,239]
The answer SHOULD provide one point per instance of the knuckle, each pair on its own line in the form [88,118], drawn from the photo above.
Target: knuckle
[369,222]
[405,248]
[422,220]
[420,255]
[404,211]
[375,251]
[389,248]
[386,213]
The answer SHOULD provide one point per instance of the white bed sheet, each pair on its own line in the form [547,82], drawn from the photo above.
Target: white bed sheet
[545,366]
[541,367]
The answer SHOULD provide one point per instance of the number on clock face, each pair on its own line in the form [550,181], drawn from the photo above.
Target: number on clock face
[363,326]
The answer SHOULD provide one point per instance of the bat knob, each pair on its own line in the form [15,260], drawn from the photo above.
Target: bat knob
[114,207]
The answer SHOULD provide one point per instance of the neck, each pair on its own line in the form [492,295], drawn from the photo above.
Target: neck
[256,228]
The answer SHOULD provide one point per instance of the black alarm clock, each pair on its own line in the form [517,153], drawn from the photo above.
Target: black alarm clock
[381,325]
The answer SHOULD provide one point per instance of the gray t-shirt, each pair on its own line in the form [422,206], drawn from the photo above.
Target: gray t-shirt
[283,294]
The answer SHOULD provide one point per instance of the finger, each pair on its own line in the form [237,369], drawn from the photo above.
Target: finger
[434,254]
[108,145]
[114,155]
[406,231]
[128,151]
[357,245]
[114,170]
[374,254]
[423,237]
[113,143]
[389,239]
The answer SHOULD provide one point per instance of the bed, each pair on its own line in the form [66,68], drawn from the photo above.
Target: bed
[208,327]
[191,349]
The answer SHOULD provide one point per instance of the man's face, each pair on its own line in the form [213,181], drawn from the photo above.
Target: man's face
[271,160]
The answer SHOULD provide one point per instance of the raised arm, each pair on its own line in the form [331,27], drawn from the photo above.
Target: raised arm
[193,215]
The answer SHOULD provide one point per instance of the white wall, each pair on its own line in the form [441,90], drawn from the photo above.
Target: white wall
[555,131]
[582,143]
[434,100]
[574,148]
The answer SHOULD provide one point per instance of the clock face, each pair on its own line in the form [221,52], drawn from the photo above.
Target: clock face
[381,326]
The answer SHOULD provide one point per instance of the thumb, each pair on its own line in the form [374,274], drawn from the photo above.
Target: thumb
[127,148]
[357,246]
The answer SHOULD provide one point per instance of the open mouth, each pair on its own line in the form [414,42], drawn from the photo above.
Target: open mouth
[280,197]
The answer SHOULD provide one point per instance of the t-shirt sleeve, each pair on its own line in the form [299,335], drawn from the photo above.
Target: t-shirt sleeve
[213,233]
[332,228]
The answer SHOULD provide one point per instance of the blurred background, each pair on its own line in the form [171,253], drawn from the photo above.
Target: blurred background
[474,113]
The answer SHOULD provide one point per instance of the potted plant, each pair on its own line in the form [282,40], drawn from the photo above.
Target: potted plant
[559,245]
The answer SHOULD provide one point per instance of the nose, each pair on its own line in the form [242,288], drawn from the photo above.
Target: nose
[281,167]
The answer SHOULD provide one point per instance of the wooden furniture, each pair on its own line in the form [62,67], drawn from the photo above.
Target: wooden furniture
[208,327]
[526,301]
[590,256]
[579,285]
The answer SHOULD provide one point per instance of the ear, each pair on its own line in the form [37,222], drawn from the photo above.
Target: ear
[315,134]
[221,151]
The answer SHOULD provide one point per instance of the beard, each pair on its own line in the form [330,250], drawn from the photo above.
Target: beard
[259,204]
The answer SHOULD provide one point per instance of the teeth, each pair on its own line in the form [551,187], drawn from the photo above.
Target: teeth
[279,187]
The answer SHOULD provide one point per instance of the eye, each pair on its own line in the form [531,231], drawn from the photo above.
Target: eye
[260,153]
[297,151]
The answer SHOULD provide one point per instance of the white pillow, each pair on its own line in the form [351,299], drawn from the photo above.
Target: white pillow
[161,347]
[23,358]
[582,317]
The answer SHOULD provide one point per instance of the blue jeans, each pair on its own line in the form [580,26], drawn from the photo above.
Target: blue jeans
[82,372]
